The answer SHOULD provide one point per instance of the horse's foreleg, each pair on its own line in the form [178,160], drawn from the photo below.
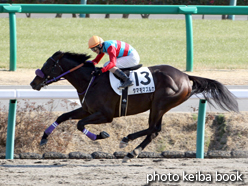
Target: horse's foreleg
[75,114]
[96,118]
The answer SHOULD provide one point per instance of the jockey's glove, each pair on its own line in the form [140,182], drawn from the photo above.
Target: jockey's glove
[97,72]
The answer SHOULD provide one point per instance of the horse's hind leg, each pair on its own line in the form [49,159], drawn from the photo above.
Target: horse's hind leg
[155,120]
[153,134]
[75,114]
[140,147]
[148,139]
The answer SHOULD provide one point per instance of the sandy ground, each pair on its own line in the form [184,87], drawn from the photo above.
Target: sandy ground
[227,77]
[113,172]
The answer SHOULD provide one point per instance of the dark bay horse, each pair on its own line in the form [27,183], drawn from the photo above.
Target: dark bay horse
[101,103]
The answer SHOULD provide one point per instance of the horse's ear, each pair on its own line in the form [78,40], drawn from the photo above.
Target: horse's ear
[57,53]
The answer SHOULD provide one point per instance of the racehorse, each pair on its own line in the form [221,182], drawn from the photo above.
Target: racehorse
[100,104]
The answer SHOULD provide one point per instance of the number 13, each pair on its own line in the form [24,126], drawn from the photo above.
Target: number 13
[142,82]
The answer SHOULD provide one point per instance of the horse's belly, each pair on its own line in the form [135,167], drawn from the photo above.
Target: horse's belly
[136,104]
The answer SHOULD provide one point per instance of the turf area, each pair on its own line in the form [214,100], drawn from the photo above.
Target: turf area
[218,44]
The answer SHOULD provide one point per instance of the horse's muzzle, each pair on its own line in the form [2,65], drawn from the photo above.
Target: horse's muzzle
[35,84]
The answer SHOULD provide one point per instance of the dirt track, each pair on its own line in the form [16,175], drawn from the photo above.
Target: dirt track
[113,172]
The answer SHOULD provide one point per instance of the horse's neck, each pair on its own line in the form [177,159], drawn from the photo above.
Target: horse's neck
[80,79]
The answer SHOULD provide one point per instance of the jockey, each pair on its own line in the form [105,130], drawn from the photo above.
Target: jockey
[121,55]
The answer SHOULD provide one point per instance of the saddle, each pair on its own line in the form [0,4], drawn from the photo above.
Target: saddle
[132,68]
[126,70]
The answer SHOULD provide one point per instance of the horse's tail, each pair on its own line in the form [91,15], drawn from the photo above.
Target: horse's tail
[215,90]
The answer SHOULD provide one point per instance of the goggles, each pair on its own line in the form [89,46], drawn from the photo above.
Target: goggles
[94,49]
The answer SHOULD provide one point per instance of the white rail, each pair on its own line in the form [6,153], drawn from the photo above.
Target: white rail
[72,94]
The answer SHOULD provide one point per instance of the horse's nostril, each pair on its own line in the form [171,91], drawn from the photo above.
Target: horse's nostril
[32,84]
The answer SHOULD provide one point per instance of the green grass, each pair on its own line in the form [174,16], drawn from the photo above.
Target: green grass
[217,44]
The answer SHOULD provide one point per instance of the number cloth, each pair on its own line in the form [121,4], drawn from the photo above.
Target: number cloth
[142,78]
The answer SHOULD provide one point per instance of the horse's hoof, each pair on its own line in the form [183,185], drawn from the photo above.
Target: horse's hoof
[104,134]
[43,142]
[124,142]
[128,157]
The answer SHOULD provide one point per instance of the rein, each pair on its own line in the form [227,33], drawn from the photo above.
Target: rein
[61,75]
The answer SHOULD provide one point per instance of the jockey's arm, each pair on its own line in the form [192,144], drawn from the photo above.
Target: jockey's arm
[112,59]
[98,58]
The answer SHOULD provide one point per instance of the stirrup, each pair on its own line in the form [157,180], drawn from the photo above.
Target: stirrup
[126,84]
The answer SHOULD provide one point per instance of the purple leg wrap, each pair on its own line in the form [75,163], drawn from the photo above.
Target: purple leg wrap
[89,134]
[51,128]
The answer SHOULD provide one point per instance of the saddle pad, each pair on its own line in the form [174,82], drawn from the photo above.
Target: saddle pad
[142,80]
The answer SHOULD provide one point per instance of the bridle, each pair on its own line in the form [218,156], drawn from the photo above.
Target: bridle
[47,81]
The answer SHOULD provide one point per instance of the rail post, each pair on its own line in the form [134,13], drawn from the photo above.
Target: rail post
[83,2]
[11,130]
[12,41]
[232,3]
[12,32]
[188,11]
[201,129]
[189,41]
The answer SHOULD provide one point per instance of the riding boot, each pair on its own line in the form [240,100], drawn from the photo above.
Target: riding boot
[127,82]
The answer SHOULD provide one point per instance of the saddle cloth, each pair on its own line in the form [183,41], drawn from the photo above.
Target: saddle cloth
[142,79]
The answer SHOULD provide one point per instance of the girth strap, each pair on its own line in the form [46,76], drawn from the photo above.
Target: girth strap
[124,99]
[123,102]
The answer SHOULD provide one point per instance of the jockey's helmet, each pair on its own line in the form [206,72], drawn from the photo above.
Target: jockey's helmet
[95,41]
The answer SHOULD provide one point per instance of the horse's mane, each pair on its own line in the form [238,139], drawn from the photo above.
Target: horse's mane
[79,58]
